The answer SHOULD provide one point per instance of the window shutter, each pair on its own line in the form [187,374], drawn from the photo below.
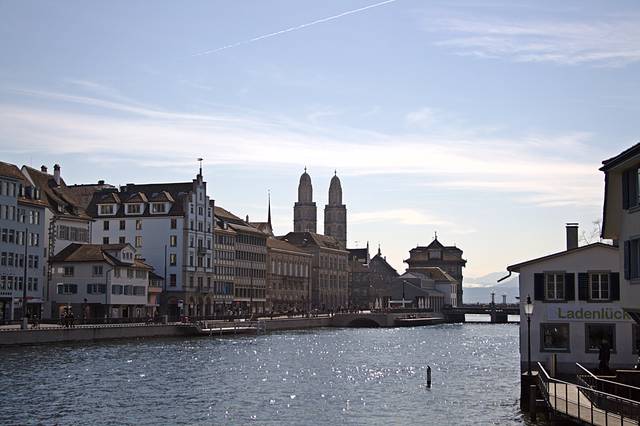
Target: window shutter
[625,190]
[614,280]
[627,258]
[583,286]
[538,286]
[570,286]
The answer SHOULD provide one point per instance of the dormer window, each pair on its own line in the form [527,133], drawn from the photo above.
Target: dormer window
[134,209]
[107,209]
[157,208]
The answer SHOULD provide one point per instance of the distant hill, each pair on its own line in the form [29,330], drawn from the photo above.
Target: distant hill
[479,289]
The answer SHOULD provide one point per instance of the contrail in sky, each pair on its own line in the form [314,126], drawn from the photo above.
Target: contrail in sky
[298,27]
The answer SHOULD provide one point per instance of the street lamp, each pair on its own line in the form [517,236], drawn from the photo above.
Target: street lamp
[528,310]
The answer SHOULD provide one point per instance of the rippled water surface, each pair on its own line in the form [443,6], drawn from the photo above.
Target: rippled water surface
[326,376]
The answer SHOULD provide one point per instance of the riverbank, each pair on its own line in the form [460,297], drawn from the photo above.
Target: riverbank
[12,336]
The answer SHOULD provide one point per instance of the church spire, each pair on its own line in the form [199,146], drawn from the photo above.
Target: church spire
[269,209]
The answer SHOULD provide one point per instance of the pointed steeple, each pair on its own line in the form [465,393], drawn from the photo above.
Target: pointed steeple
[269,210]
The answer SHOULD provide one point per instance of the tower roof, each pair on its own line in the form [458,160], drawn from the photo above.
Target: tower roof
[335,191]
[305,189]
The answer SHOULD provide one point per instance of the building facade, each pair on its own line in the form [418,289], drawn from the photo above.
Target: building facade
[96,281]
[447,258]
[22,230]
[288,277]
[576,306]
[170,225]
[621,222]
[329,271]
[250,263]
[65,220]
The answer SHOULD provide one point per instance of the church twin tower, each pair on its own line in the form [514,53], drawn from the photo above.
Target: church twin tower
[305,214]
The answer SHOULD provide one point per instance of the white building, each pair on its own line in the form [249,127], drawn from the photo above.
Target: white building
[95,281]
[170,227]
[621,222]
[21,229]
[577,304]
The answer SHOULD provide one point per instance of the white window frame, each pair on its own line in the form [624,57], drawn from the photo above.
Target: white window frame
[596,286]
[556,286]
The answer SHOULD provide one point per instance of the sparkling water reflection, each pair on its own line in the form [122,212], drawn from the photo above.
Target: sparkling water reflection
[327,376]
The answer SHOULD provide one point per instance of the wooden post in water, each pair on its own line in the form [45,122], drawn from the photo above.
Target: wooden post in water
[428,376]
[533,389]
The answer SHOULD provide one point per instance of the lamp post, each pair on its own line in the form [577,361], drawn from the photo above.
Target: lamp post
[528,310]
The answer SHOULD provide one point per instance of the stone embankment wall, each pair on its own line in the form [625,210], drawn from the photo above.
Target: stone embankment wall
[83,334]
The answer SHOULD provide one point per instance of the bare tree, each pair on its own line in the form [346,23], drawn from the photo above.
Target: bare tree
[594,235]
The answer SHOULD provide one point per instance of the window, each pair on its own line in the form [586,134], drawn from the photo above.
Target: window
[106,209]
[554,286]
[173,240]
[105,225]
[123,225]
[105,240]
[173,259]
[117,289]
[172,280]
[67,288]
[138,241]
[599,286]
[96,288]
[68,271]
[129,273]
[174,223]
[596,334]
[97,270]
[122,240]
[138,225]
[139,291]
[141,273]
[133,208]
[157,208]
[555,338]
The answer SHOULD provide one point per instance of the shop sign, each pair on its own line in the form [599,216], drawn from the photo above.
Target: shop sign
[587,313]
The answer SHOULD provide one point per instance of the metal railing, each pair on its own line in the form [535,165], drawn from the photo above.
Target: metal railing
[590,380]
[587,405]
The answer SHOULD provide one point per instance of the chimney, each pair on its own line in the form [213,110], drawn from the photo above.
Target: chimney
[43,168]
[56,174]
[572,236]
[247,218]
[101,182]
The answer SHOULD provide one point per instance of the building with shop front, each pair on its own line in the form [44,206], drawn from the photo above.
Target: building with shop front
[576,306]
[95,281]
[329,269]
[288,277]
[22,229]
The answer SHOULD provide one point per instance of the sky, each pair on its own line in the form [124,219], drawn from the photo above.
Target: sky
[484,121]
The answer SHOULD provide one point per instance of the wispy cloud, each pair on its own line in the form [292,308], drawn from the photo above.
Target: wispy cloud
[294,28]
[552,170]
[610,41]
[403,216]
[421,117]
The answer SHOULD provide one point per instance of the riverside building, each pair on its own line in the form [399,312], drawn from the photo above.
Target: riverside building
[65,220]
[288,276]
[249,260]
[100,281]
[577,304]
[621,222]
[22,229]
[170,226]
[447,258]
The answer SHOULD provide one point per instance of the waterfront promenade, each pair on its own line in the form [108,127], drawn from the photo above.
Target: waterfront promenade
[52,333]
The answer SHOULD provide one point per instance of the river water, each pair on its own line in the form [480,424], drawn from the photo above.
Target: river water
[322,376]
